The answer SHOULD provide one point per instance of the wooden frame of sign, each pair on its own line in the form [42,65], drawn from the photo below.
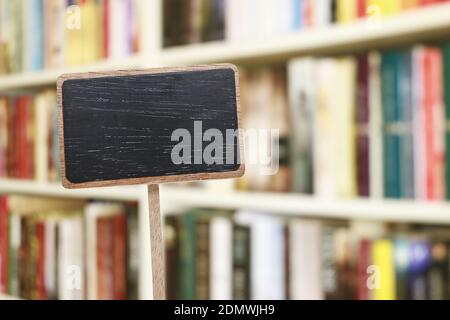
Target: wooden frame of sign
[158,95]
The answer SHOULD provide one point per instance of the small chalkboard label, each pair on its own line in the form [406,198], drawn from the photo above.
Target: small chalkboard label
[150,126]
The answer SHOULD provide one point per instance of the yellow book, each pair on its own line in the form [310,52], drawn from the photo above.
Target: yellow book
[346,11]
[91,28]
[393,7]
[384,7]
[343,114]
[384,273]
[74,37]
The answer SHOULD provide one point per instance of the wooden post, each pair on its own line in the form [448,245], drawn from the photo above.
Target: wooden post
[157,245]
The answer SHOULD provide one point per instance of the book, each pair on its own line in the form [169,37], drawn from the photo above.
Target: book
[446,91]
[241,262]
[346,11]
[302,102]
[362,112]
[305,261]
[335,129]
[4,250]
[376,127]
[383,259]
[438,274]
[221,252]
[266,255]
[392,157]
[71,274]
[429,122]
[418,269]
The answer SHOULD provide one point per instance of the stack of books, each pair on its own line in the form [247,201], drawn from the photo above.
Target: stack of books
[235,20]
[29,147]
[41,34]
[253,255]
[65,249]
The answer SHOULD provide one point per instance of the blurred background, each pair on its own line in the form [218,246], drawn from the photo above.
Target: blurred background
[355,95]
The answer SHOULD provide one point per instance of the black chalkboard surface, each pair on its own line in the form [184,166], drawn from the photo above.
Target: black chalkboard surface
[149,126]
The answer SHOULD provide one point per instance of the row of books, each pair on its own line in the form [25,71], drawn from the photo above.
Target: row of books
[384,123]
[381,130]
[68,249]
[253,255]
[38,34]
[29,146]
[196,21]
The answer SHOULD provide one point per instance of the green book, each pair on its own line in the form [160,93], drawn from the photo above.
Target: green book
[390,65]
[186,284]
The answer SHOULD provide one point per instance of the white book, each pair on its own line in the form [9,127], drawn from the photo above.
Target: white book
[322,13]
[118,37]
[221,258]
[267,257]
[325,146]
[305,260]
[50,258]
[71,273]
[375,126]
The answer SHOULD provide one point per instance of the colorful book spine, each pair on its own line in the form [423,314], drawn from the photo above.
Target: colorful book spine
[4,236]
[446,82]
[392,156]
[384,276]
[362,126]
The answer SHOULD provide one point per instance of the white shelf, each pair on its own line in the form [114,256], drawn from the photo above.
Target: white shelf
[131,193]
[309,206]
[6,297]
[275,203]
[404,28]
[48,77]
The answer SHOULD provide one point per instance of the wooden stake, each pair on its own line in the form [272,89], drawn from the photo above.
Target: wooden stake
[157,246]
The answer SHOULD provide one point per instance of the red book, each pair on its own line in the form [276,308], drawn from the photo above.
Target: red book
[23,155]
[363,263]
[362,8]
[4,234]
[434,124]
[40,231]
[105,264]
[119,256]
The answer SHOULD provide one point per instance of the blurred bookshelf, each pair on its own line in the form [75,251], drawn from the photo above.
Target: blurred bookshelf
[430,24]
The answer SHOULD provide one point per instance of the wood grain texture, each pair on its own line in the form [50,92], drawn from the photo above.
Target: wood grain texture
[115,127]
[157,246]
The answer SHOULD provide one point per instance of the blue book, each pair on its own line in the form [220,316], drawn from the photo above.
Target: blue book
[420,263]
[298,14]
[34,44]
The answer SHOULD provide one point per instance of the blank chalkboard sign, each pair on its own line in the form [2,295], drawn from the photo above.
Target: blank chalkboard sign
[149,126]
